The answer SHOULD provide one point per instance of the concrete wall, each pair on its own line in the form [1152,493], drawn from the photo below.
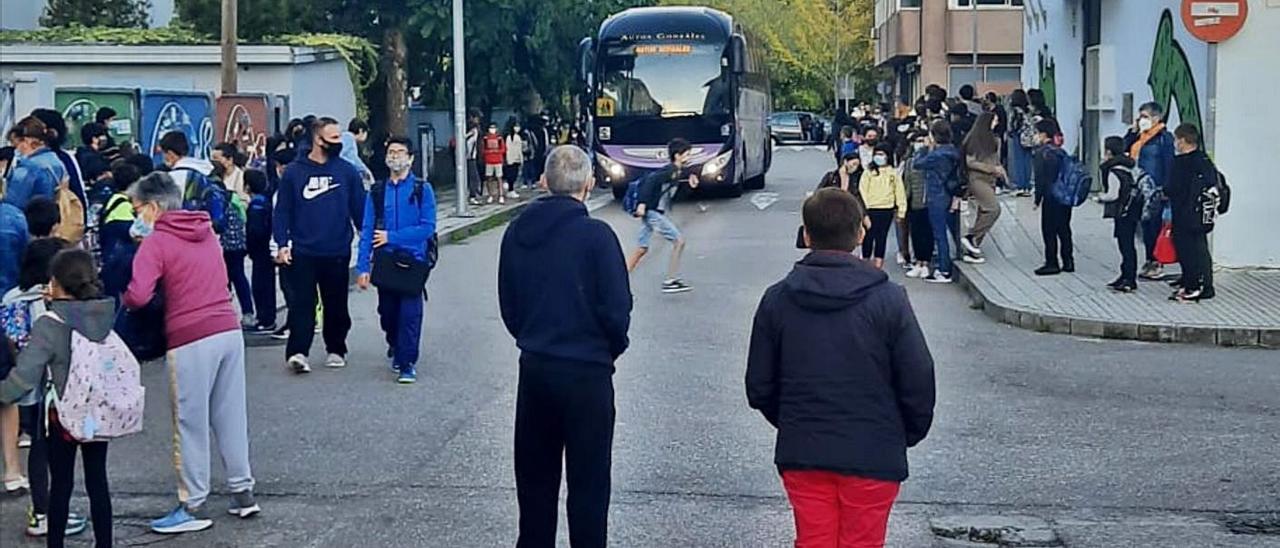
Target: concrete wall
[25,14]
[1246,148]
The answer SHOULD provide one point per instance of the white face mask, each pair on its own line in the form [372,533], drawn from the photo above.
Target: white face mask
[881,160]
[399,163]
[1145,124]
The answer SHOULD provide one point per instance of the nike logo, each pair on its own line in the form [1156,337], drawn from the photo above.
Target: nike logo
[317,186]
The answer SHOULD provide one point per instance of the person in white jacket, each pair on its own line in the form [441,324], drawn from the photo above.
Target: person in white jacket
[515,160]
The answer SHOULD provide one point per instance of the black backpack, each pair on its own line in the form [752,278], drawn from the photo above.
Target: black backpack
[379,197]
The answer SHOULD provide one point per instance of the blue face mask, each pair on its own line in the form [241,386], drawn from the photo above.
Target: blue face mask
[140,228]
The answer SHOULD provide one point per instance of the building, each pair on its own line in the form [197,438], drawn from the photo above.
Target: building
[932,42]
[25,14]
[1098,61]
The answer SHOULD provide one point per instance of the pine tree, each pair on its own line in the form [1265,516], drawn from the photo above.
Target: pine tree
[97,13]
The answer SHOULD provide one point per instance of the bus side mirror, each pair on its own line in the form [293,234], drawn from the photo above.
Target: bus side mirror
[585,59]
[738,54]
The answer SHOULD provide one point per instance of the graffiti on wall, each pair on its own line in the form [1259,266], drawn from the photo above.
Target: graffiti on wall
[242,121]
[1037,17]
[186,112]
[1171,78]
[1048,78]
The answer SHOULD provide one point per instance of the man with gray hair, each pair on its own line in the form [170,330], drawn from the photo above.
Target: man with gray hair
[1151,145]
[180,257]
[565,297]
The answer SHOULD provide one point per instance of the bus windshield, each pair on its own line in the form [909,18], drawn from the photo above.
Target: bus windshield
[663,79]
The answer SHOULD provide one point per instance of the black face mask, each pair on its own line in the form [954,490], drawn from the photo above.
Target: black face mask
[331,149]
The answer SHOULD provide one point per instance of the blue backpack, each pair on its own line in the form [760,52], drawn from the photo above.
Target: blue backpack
[204,194]
[1073,184]
[631,200]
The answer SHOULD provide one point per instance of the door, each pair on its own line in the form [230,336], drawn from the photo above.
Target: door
[1090,137]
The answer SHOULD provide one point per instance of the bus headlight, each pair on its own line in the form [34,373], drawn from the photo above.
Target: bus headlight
[610,167]
[717,164]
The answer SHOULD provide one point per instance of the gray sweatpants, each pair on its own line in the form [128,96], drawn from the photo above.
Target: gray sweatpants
[207,391]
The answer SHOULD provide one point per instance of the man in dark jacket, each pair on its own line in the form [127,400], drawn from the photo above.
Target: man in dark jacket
[1193,172]
[565,297]
[840,367]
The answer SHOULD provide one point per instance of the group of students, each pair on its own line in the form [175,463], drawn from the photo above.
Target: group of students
[153,276]
[503,162]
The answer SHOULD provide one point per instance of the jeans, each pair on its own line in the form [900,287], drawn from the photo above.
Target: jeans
[62,470]
[474,188]
[1150,233]
[264,287]
[1055,228]
[1019,166]
[401,319]
[564,417]
[839,510]
[235,273]
[939,219]
[331,275]
[1126,235]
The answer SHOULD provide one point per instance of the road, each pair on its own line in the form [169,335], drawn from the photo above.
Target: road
[1114,443]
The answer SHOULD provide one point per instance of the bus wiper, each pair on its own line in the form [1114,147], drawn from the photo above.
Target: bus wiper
[680,114]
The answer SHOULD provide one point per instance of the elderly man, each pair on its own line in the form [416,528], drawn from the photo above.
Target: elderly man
[180,258]
[565,297]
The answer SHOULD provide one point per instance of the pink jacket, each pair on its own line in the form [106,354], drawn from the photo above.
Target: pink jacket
[183,258]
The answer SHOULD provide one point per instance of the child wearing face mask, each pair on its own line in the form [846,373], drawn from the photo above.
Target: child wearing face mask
[882,191]
[493,150]
[917,209]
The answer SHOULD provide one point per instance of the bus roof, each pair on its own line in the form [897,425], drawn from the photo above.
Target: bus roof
[659,23]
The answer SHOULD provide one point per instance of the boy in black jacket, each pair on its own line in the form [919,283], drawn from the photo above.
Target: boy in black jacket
[840,367]
[1193,172]
[258,243]
[657,191]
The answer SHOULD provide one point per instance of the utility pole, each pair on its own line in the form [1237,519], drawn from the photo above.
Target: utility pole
[973,10]
[459,110]
[229,65]
[836,70]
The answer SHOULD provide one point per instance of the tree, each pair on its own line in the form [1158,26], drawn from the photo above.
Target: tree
[97,13]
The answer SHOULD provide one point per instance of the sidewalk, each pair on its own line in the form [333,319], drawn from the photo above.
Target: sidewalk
[1246,311]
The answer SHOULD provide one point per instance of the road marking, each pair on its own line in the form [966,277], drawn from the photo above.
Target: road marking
[762,200]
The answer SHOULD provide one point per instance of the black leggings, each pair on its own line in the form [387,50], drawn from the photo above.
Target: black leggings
[921,235]
[37,457]
[62,470]
[878,237]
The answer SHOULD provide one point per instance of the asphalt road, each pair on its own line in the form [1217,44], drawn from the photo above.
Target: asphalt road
[1114,443]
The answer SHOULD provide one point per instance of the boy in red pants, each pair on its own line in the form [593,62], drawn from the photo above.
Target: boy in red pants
[839,366]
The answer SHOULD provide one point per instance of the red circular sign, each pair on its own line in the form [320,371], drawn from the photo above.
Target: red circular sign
[1214,20]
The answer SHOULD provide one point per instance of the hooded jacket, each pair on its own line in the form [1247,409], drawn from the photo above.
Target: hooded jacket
[839,366]
[318,207]
[182,258]
[563,286]
[1193,172]
[50,345]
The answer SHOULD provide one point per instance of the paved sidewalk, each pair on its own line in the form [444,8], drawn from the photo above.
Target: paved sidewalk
[1246,311]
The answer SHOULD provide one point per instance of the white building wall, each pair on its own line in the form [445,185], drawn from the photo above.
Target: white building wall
[323,89]
[25,14]
[1052,43]
[1246,148]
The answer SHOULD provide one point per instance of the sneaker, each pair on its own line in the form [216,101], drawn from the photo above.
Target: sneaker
[473,201]
[17,486]
[335,361]
[248,321]
[939,278]
[180,521]
[972,259]
[262,330]
[38,524]
[1068,267]
[391,360]
[243,505]
[408,375]
[281,334]
[24,442]
[299,364]
[917,271]
[972,248]
[1123,287]
[676,286]
[1153,271]
[513,195]
[1187,297]
[1048,270]
[902,261]
[1024,193]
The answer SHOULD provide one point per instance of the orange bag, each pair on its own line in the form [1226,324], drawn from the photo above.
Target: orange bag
[1165,252]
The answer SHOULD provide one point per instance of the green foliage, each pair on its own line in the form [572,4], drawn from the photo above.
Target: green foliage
[258,19]
[359,53]
[132,14]
[76,34]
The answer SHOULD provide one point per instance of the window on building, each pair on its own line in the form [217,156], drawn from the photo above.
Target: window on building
[986,3]
[912,3]
[966,74]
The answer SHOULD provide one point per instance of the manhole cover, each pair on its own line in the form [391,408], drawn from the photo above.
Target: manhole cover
[1013,531]
[1253,525]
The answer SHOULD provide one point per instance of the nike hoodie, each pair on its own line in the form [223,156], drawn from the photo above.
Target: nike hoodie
[319,207]
[183,259]
[838,364]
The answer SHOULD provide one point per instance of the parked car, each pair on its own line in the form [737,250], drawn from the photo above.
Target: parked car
[795,127]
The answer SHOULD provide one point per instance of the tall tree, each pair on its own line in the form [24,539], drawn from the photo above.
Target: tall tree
[97,13]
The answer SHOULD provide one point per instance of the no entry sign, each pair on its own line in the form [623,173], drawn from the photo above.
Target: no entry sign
[1214,21]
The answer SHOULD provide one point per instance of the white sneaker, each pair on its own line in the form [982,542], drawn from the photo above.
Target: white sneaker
[972,259]
[299,364]
[917,272]
[335,361]
[248,320]
[513,195]
[967,243]
[938,278]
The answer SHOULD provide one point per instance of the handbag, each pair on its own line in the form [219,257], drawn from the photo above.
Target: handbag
[1165,252]
[398,270]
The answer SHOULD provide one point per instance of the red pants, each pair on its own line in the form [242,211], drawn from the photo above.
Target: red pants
[838,511]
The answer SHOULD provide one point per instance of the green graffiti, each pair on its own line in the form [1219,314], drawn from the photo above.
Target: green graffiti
[1049,78]
[1171,78]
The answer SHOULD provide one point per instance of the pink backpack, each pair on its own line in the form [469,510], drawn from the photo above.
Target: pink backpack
[104,396]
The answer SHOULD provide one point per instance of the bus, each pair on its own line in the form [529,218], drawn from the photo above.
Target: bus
[654,74]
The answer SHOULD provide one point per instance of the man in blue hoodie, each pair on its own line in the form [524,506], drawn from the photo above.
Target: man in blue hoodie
[405,225]
[319,204]
[565,297]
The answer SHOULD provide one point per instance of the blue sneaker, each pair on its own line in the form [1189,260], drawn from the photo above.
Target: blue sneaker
[181,521]
[408,375]
[391,360]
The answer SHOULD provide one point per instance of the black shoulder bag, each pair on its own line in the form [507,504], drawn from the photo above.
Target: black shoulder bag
[397,270]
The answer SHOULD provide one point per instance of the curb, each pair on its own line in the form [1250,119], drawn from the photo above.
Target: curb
[1047,322]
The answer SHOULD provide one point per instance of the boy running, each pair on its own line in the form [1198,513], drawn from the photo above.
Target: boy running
[656,193]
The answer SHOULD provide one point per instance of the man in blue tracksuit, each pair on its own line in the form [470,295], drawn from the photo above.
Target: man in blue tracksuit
[319,204]
[406,224]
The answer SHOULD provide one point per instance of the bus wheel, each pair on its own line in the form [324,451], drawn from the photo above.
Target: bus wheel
[754,183]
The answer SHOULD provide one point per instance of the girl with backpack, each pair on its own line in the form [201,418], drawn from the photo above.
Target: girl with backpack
[70,348]
[1122,201]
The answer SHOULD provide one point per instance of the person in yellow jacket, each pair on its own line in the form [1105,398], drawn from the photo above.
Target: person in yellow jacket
[886,200]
